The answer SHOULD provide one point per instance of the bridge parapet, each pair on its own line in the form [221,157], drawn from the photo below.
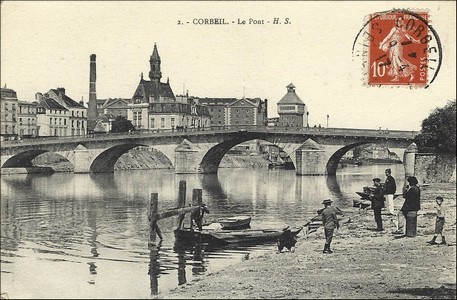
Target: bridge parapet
[312,131]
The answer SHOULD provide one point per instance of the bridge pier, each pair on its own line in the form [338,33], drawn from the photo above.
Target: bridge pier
[310,162]
[187,158]
[82,160]
[409,159]
[311,159]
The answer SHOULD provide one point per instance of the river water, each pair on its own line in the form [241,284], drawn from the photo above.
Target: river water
[86,236]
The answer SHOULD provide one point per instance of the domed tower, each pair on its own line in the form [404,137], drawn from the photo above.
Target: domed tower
[292,110]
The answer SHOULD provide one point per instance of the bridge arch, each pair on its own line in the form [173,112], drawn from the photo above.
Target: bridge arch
[334,159]
[26,159]
[106,160]
[213,157]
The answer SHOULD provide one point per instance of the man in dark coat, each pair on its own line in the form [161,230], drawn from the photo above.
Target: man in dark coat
[330,221]
[412,195]
[389,191]
[377,203]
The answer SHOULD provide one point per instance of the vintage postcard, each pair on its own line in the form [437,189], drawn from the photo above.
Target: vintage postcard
[228,149]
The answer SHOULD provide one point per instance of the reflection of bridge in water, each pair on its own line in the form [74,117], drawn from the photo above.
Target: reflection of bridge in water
[313,151]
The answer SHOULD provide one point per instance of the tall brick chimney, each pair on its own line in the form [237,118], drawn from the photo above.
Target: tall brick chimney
[92,112]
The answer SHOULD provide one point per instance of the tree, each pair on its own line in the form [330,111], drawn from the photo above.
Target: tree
[438,130]
[121,124]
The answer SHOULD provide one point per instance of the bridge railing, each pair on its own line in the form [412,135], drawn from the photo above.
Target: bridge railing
[219,129]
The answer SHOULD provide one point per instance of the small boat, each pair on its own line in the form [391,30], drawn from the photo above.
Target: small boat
[226,237]
[235,222]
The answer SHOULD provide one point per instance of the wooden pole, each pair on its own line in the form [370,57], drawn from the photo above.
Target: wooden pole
[152,215]
[181,202]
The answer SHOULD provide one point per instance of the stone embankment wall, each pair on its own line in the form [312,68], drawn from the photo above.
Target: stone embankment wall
[244,161]
[435,167]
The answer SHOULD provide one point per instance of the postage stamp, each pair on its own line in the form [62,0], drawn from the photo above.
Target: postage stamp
[399,48]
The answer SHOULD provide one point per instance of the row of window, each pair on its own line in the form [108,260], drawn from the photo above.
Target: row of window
[13,106]
[77,113]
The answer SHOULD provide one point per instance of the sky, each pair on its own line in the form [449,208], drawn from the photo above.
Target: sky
[47,44]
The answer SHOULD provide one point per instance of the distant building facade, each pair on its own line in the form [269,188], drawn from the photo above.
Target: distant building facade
[52,118]
[27,119]
[232,111]
[9,108]
[292,110]
[114,106]
[77,112]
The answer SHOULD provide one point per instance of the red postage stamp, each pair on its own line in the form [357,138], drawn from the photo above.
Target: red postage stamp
[400,48]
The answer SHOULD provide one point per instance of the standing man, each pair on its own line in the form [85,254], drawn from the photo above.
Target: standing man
[377,203]
[389,191]
[412,195]
[330,221]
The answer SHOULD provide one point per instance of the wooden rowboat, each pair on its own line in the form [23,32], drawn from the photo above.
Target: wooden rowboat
[235,222]
[227,237]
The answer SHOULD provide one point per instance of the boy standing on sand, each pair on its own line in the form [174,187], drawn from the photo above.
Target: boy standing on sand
[439,223]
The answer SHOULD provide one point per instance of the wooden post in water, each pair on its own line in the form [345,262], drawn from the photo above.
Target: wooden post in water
[152,216]
[181,202]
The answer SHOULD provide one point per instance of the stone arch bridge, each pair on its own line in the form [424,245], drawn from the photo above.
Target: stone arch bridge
[314,151]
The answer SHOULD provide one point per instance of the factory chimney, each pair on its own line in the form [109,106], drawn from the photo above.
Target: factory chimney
[92,113]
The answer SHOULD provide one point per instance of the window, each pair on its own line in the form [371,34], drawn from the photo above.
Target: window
[162,122]
[65,121]
[172,122]
[152,125]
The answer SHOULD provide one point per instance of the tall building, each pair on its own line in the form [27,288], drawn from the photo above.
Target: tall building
[77,111]
[52,117]
[9,105]
[27,119]
[292,110]
[154,105]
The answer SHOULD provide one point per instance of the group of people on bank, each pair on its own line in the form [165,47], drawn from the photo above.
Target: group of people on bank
[382,197]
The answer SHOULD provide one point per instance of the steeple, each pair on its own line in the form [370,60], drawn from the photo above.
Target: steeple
[155,74]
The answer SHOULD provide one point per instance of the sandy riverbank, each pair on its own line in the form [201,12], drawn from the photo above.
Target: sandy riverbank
[365,264]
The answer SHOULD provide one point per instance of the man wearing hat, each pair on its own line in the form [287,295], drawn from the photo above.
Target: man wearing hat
[377,203]
[330,221]
[389,191]
[197,216]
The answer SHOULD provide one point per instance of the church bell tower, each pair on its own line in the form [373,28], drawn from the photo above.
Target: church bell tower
[155,74]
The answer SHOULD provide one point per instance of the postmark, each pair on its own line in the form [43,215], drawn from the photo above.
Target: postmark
[398,48]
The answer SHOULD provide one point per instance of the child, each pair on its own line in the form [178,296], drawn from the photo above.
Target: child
[439,224]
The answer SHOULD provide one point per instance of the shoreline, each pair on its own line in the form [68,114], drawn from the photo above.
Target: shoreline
[365,264]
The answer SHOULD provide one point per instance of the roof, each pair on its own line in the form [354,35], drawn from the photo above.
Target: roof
[67,100]
[49,103]
[215,101]
[147,88]
[291,97]
[113,101]
[8,93]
